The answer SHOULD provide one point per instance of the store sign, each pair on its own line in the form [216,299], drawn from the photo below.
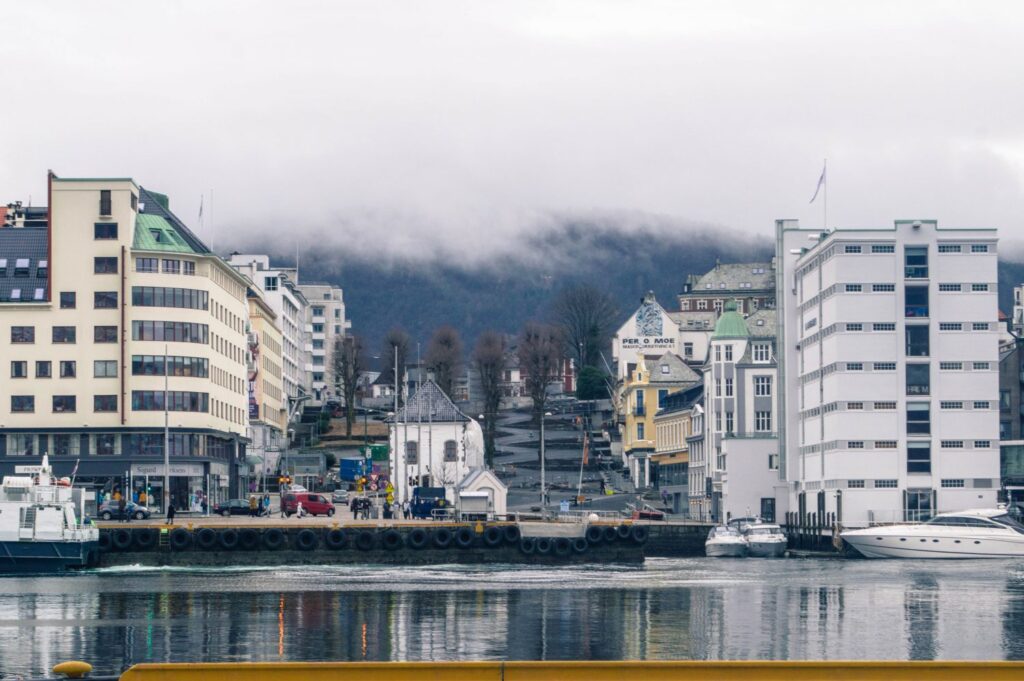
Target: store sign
[178,470]
[649,342]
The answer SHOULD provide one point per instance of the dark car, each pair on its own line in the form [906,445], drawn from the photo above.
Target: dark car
[232,507]
[313,504]
[111,510]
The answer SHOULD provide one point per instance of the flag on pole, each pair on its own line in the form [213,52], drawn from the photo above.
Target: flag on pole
[200,208]
[821,183]
[74,471]
[586,449]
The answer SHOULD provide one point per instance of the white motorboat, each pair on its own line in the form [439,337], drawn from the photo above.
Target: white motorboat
[725,542]
[765,540]
[975,533]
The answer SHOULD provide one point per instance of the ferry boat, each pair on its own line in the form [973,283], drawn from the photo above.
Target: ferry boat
[974,533]
[41,525]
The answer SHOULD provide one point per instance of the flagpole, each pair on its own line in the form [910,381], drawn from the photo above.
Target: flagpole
[825,174]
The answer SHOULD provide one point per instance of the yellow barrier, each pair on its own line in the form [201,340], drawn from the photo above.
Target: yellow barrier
[582,671]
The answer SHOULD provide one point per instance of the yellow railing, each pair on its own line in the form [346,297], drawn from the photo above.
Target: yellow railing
[581,671]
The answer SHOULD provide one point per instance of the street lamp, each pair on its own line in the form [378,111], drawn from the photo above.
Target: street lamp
[543,480]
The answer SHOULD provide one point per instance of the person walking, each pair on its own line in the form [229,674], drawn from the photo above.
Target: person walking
[122,510]
[353,506]
[253,505]
[170,513]
[266,504]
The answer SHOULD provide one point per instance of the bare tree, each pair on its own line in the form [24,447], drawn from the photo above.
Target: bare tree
[587,317]
[489,357]
[396,338]
[349,362]
[444,355]
[540,360]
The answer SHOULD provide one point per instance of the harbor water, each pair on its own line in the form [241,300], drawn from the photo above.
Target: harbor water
[665,609]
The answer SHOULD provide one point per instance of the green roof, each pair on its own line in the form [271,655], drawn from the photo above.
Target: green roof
[155,233]
[730,324]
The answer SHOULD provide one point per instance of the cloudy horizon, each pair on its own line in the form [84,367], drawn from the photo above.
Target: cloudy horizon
[426,129]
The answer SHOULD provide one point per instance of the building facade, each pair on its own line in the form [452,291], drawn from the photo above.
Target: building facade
[111,311]
[750,285]
[268,410]
[673,426]
[889,367]
[327,325]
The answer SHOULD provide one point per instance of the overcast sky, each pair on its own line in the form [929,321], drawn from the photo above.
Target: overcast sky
[425,126]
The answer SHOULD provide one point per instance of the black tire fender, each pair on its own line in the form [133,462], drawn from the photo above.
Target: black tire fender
[609,533]
[528,545]
[392,540]
[248,539]
[640,533]
[418,538]
[624,531]
[544,545]
[121,539]
[442,538]
[562,546]
[580,545]
[145,538]
[493,536]
[306,540]
[512,533]
[464,537]
[206,538]
[228,539]
[273,539]
[105,542]
[180,539]
[595,534]
[335,539]
[365,540]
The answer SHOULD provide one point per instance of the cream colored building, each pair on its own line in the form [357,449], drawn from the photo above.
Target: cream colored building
[120,290]
[268,412]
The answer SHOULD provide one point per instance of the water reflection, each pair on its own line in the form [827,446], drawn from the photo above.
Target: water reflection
[666,610]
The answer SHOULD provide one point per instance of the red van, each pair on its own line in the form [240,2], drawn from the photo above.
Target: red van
[313,504]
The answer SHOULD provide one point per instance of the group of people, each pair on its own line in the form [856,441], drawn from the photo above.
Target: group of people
[259,507]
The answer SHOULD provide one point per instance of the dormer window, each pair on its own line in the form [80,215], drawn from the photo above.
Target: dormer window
[664,368]
[158,236]
[21,268]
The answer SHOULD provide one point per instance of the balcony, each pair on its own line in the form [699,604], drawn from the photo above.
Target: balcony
[919,311]
[915,272]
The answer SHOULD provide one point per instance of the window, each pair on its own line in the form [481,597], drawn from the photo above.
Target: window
[951,366]
[687,348]
[979,248]
[852,249]
[884,405]
[855,484]
[662,394]
[917,340]
[104,334]
[103,368]
[952,444]
[982,405]
[915,261]
[728,353]
[949,248]
[855,444]
[884,366]
[67,300]
[919,457]
[773,462]
[919,418]
[855,366]
[951,326]
[980,366]
[106,444]
[158,296]
[68,369]
[188,267]
[953,483]
[105,202]
[134,201]
[269,283]
[979,288]
[105,300]
[147,265]
[639,431]
[885,484]
[982,444]
[918,379]
[854,288]
[104,230]
[948,288]
[318,311]
[451,451]
[63,404]
[153,365]
[729,422]
[728,387]
[181,332]
[762,353]
[763,386]
[718,353]
[979,326]
[337,329]
[153,400]
[718,387]
[318,344]
[702,304]
[951,405]
[854,327]
[43,369]
[856,406]
[23,404]
[63,334]
[23,334]
[639,403]
[172,266]
[104,403]
[885,444]
[1004,402]
[883,248]
[19,369]
[104,265]
[763,421]
[883,288]
[916,303]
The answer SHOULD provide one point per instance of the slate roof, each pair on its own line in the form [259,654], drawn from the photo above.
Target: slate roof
[694,320]
[155,204]
[682,400]
[429,403]
[25,244]
[762,324]
[678,370]
[734,277]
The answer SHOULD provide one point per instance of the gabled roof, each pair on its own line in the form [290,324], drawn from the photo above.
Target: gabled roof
[669,368]
[156,205]
[748,276]
[27,245]
[682,400]
[475,476]
[762,324]
[429,404]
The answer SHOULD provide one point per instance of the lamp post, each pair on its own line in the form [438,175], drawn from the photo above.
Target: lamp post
[543,480]
[167,444]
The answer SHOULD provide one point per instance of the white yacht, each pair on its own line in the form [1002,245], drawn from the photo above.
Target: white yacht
[764,540]
[975,533]
[725,542]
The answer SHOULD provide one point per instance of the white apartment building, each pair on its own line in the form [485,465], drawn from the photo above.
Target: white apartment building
[278,288]
[327,325]
[889,368]
[105,295]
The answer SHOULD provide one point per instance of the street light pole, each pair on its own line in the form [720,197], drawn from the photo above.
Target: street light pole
[543,486]
[167,444]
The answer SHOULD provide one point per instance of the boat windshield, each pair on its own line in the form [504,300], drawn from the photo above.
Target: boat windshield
[764,531]
[1007,521]
[725,532]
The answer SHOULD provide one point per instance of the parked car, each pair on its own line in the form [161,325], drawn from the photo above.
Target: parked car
[232,507]
[111,510]
[313,504]
[297,488]
[339,496]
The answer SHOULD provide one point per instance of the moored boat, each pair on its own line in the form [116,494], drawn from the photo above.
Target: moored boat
[974,533]
[725,542]
[765,540]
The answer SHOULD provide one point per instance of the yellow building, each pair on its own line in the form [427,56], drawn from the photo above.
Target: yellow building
[111,303]
[673,425]
[654,379]
[268,413]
